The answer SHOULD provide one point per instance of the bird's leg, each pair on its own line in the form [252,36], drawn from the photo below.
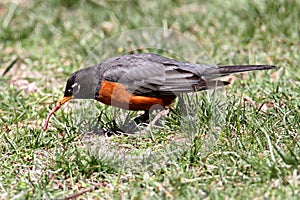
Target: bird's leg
[161,113]
[107,128]
[131,126]
[142,118]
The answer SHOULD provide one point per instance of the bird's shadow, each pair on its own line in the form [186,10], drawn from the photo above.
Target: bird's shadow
[106,125]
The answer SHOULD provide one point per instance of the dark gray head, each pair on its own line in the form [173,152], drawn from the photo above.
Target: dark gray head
[83,84]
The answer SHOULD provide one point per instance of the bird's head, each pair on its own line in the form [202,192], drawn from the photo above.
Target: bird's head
[82,84]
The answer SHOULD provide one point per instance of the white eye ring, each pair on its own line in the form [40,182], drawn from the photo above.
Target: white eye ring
[74,85]
[78,88]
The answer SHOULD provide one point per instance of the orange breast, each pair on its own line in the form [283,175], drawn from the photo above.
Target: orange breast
[115,94]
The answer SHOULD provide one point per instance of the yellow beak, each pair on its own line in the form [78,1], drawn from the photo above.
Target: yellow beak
[63,100]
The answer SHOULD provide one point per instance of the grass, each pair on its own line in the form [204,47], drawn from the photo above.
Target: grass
[256,153]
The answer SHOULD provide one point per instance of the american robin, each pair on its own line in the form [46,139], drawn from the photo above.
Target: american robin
[140,81]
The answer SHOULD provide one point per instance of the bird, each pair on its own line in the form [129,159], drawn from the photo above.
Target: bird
[141,81]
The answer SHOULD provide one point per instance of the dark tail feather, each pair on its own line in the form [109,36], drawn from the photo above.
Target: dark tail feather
[205,85]
[225,70]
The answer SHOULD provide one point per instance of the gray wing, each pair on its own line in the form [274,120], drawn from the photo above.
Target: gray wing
[155,77]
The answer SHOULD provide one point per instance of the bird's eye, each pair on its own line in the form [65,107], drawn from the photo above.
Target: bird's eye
[76,88]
